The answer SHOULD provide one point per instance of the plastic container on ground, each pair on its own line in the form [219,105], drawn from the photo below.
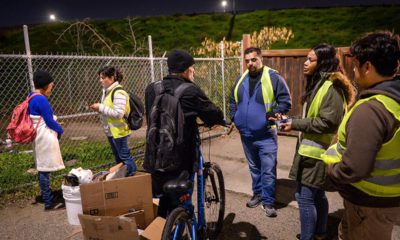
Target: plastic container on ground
[73,203]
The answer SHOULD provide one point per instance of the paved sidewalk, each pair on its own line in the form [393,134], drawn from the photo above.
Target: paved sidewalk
[227,151]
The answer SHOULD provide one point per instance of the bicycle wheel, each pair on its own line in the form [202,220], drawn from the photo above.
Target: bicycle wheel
[214,199]
[178,225]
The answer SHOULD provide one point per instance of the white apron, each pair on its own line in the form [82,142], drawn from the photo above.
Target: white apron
[46,149]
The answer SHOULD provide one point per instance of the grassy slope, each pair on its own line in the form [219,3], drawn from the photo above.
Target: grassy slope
[338,26]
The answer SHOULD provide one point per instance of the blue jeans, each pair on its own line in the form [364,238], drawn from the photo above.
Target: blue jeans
[120,149]
[44,183]
[261,156]
[313,206]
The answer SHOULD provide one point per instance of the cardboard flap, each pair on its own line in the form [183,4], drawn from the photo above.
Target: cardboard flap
[154,230]
[108,228]
[139,218]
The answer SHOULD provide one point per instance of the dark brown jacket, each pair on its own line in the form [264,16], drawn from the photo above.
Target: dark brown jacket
[370,126]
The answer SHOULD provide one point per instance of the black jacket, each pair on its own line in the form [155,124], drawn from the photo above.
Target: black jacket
[194,104]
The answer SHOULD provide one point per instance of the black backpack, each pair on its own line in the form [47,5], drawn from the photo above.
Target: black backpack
[165,126]
[135,117]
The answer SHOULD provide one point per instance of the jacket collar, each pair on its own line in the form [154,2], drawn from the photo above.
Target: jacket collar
[111,87]
[390,88]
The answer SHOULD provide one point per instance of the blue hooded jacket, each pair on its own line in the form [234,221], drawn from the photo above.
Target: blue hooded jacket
[249,115]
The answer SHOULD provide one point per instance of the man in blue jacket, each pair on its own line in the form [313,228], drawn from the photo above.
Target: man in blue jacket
[258,94]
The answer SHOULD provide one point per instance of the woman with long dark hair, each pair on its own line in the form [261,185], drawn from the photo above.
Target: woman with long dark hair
[326,95]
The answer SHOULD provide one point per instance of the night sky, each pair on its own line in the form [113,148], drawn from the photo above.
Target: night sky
[18,12]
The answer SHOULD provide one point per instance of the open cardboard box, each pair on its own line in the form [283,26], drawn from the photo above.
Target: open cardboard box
[118,207]
[119,196]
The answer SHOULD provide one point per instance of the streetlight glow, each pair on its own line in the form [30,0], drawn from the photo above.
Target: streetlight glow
[224,4]
[52,17]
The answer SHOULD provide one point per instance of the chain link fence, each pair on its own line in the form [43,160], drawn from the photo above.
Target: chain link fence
[77,86]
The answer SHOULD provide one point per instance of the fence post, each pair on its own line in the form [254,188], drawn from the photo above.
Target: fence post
[241,57]
[28,56]
[223,77]
[151,58]
[246,43]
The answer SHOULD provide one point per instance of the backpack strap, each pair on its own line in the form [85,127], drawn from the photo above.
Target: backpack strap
[33,95]
[113,92]
[180,89]
[159,88]
[28,99]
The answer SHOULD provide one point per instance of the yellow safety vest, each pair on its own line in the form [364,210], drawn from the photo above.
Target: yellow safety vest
[384,180]
[313,145]
[266,85]
[118,127]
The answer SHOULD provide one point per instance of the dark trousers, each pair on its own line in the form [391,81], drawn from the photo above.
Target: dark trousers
[168,201]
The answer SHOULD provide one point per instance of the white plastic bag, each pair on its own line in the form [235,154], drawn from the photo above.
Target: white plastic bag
[83,175]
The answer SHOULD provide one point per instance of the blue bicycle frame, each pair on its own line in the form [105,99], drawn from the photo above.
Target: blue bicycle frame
[199,224]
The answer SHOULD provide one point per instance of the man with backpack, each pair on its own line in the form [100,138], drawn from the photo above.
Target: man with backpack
[172,139]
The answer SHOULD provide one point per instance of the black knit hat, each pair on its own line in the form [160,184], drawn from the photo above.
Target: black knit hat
[179,60]
[41,79]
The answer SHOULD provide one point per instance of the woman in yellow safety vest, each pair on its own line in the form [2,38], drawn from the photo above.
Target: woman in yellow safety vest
[324,103]
[114,107]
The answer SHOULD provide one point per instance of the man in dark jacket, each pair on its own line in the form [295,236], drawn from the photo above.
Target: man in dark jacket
[194,103]
[365,163]
[258,94]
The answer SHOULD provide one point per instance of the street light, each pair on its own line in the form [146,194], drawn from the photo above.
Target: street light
[52,17]
[224,4]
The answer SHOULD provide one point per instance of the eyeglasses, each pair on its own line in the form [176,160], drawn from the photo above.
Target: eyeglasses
[251,59]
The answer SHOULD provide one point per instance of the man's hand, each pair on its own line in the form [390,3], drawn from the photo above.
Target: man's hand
[95,106]
[278,116]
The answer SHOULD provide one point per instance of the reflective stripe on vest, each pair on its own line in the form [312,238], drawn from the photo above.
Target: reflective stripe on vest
[266,86]
[384,180]
[314,145]
[118,127]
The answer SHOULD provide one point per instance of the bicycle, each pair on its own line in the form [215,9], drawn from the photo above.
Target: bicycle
[182,222]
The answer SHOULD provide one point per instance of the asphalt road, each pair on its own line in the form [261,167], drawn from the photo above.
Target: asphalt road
[26,221]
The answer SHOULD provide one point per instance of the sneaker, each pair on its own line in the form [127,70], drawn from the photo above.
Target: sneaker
[269,210]
[55,206]
[254,201]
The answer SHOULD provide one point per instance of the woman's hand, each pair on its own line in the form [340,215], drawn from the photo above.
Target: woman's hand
[285,127]
[95,106]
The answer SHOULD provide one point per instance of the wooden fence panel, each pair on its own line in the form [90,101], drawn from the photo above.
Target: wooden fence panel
[289,64]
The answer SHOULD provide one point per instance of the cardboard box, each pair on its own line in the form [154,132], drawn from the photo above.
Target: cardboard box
[108,228]
[138,216]
[154,230]
[156,202]
[119,196]
[117,171]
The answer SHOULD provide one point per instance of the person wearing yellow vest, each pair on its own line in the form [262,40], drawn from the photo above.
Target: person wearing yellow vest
[112,115]
[260,92]
[324,104]
[364,164]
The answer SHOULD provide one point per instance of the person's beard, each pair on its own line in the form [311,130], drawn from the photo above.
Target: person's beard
[253,72]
